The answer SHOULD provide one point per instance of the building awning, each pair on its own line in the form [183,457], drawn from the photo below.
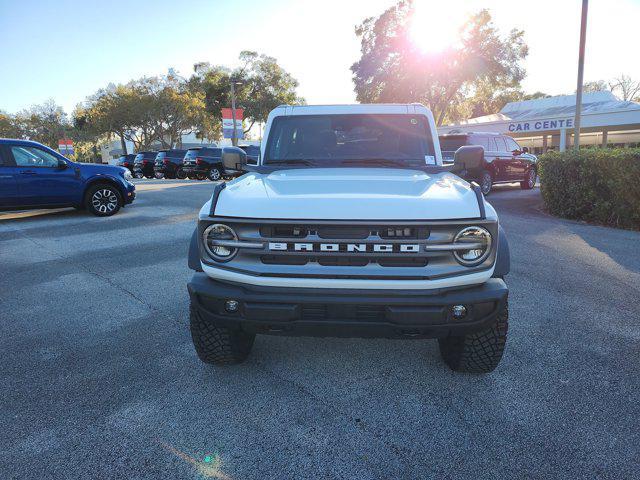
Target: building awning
[601,111]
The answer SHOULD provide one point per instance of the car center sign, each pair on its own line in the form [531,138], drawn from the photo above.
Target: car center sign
[539,125]
[227,123]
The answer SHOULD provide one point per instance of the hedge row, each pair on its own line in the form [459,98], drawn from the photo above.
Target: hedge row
[595,185]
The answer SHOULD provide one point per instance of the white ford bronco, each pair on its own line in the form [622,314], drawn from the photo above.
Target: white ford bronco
[350,226]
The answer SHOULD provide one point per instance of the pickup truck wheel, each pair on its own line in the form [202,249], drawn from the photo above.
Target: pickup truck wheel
[218,345]
[530,181]
[486,182]
[214,174]
[103,200]
[477,352]
[180,174]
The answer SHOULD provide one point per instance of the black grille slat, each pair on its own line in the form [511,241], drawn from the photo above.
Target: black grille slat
[346,233]
[363,313]
[284,260]
[314,311]
[343,261]
[370,312]
[344,245]
[402,262]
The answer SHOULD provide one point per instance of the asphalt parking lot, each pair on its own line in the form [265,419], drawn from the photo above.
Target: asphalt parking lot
[100,380]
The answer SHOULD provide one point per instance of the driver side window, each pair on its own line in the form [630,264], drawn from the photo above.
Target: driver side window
[33,157]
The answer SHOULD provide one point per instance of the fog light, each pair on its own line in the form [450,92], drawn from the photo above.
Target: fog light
[231,305]
[459,311]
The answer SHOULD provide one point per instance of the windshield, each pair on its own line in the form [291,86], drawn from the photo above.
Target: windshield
[451,144]
[350,139]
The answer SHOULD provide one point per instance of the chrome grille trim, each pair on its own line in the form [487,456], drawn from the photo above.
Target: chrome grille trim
[433,260]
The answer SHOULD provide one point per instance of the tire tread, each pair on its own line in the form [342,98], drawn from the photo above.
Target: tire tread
[477,352]
[218,345]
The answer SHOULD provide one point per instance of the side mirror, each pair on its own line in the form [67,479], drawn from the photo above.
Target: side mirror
[468,158]
[525,149]
[62,164]
[234,158]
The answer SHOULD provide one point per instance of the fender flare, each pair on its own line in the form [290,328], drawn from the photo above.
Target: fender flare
[194,252]
[503,256]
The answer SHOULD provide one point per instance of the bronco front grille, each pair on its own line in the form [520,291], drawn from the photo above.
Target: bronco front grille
[347,250]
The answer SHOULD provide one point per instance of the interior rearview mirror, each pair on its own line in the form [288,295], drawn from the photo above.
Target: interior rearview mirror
[468,158]
[234,158]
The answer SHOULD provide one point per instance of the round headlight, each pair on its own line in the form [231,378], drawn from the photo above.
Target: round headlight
[217,232]
[481,238]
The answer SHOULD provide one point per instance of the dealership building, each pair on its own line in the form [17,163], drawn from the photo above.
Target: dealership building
[547,123]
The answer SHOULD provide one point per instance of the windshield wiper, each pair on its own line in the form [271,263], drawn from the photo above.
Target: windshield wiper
[291,161]
[385,162]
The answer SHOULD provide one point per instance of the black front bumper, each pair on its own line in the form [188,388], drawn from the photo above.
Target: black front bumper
[347,313]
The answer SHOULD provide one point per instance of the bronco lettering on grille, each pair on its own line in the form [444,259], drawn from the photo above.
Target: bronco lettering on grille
[346,247]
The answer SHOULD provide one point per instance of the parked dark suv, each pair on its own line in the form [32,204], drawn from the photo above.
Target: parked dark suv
[204,162]
[169,164]
[253,153]
[126,161]
[504,160]
[35,176]
[143,164]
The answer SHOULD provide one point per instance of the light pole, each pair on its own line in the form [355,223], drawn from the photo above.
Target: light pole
[234,138]
[583,38]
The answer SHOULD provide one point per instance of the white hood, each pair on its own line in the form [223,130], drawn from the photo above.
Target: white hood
[349,194]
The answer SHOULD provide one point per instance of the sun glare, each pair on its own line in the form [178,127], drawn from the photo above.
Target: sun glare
[432,28]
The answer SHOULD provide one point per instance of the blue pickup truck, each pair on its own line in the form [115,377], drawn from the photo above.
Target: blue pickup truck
[35,176]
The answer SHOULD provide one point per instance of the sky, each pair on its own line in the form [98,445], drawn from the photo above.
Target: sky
[68,49]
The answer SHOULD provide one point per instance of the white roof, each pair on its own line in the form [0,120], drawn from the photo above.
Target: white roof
[565,105]
[599,110]
[355,108]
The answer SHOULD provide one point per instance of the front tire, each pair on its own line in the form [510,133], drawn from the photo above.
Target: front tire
[214,174]
[218,345]
[180,174]
[486,182]
[477,352]
[529,182]
[103,200]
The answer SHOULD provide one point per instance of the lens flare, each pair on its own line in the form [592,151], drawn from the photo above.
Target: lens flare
[432,29]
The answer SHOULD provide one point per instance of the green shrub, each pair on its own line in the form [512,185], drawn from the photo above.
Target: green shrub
[595,185]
